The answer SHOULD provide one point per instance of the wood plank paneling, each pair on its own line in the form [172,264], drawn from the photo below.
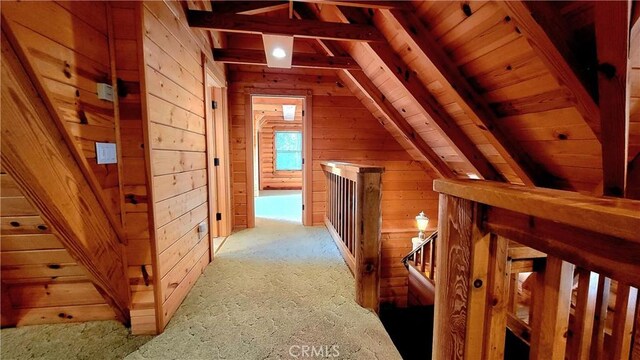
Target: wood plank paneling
[177,151]
[70,56]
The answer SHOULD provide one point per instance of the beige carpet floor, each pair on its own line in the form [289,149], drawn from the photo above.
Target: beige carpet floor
[278,291]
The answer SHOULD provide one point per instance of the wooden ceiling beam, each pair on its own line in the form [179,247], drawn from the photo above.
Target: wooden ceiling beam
[361,3]
[247,7]
[379,101]
[428,105]
[554,60]
[293,27]
[612,43]
[299,60]
[421,40]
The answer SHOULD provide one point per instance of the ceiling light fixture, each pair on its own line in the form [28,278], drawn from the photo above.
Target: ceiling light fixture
[279,53]
[289,112]
[278,50]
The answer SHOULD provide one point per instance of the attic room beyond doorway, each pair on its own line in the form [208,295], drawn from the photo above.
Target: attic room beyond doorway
[277,142]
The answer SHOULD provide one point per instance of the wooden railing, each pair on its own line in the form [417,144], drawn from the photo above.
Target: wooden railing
[353,217]
[422,258]
[595,240]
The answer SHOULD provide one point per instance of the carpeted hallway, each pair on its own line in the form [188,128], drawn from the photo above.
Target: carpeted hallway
[272,292]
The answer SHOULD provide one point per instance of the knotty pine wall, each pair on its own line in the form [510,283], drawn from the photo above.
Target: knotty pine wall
[43,282]
[69,54]
[343,130]
[161,146]
[269,177]
[134,178]
[175,122]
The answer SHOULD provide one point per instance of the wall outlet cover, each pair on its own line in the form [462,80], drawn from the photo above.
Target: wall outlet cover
[105,92]
[106,153]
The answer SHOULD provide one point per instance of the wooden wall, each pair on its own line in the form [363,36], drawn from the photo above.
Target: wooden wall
[135,184]
[175,125]
[342,130]
[269,177]
[43,282]
[69,54]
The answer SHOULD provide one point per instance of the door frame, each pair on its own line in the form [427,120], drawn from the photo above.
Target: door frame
[217,139]
[307,162]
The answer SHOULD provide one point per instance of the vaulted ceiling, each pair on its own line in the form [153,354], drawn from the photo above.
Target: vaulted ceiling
[506,91]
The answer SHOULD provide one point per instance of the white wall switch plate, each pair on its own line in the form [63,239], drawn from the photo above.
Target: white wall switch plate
[106,153]
[105,92]
[202,228]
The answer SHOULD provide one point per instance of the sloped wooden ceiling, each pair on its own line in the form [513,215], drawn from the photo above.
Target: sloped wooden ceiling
[478,89]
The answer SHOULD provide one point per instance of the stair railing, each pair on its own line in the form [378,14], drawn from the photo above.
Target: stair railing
[422,257]
[353,216]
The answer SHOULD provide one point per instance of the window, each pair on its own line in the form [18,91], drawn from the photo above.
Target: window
[288,149]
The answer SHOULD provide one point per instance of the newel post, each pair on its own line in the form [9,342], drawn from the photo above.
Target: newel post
[471,284]
[367,250]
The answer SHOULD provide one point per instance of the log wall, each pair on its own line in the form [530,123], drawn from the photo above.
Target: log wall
[271,179]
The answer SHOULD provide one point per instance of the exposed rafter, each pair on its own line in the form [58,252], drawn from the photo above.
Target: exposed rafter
[378,100]
[247,7]
[421,40]
[293,27]
[560,33]
[555,62]
[362,3]
[612,42]
[299,60]
[427,104]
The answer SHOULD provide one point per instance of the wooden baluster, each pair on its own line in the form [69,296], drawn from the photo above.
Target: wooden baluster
[624,313]
[423,256]
[354,208]
[416,258]
[343,218]
[498,294]
[347,214]
[330,203]
[551,306]
[580,340]
[513,293]
[339,224]
[600,320]
[432,259]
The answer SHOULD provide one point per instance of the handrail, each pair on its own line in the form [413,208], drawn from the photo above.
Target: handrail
[593,239]
[353,217]
[406,258]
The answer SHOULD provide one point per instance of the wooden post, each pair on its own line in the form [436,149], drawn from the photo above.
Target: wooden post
[458,232]
[584,315]
[369,222]
[551,322]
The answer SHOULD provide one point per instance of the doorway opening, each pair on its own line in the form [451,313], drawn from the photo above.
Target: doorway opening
[278,156]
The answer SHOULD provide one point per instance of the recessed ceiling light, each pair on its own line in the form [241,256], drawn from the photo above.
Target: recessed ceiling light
[279,53]
[289,112]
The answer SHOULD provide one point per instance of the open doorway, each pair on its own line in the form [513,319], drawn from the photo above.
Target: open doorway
[278,157]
